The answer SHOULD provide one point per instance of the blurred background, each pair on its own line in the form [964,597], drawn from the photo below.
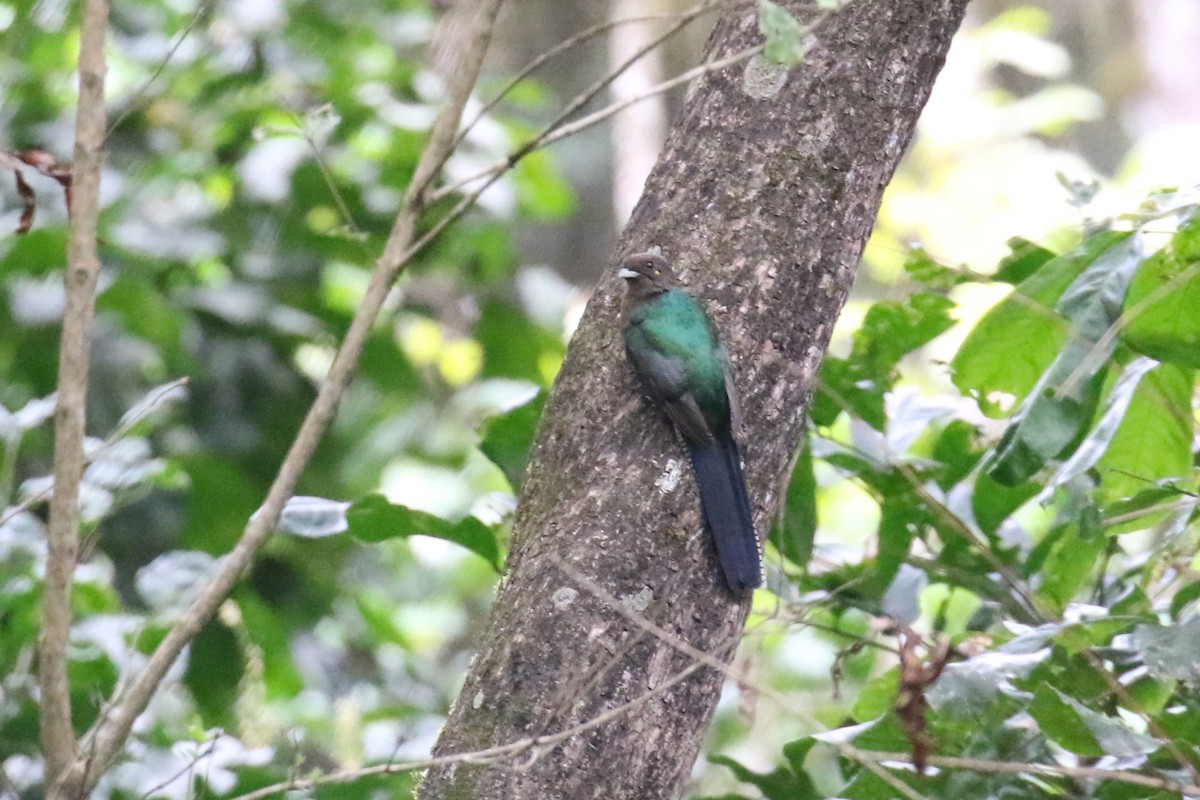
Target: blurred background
[257,155]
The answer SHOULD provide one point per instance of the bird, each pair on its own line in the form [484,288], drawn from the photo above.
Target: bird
[676,353]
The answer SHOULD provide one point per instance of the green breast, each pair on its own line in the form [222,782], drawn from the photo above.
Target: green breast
[675,325]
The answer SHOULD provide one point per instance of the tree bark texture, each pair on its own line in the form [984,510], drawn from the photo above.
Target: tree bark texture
[763,199]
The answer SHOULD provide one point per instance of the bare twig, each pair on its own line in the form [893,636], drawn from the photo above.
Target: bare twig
[201,752]
[1135,707]
[83,269]
[495,172]
[559,130]
[708,659]
[1053,770]
[583,36]
[955,524]
[326,173]
[534,746]
[102,743]
[139,96]
[1027,606]
[1178,506]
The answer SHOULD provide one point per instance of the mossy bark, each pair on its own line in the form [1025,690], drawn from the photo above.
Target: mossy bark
[763,199]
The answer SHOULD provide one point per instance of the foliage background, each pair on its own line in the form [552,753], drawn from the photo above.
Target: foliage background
[257,156]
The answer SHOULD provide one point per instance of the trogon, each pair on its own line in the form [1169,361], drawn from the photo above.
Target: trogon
[677,355]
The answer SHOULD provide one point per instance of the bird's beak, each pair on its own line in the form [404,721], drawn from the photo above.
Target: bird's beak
[627,273]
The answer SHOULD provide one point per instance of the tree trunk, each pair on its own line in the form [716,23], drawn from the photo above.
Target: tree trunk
[763,199]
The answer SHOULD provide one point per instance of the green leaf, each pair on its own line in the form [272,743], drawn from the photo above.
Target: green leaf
[878,696]
[1160,493]
[1161,306]
[264,628]
[796,752]
[787,41]
[889,331]
[1061,406]
[921,267]
[841,387]
[214,672]
[37,253]
[1154,440]
[793,532]
[1024,259]
[884,733]
[1097,441]
[1049,426]
[374,519]
[516,347]
[1184,598]
[1171,651]
[1070,565]
[506,438]
[779,784]
[956,449]
[1074,726]
[993,502]
[143,311]
[899,520]
[1011,347]
[892,330]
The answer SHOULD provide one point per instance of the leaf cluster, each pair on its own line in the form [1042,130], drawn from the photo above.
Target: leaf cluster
[1040,529]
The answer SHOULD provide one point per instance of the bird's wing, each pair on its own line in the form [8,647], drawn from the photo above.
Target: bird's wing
[689,419]
[665,379]
[735,403]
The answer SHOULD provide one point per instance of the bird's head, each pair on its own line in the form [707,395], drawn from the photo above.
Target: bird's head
[646,274]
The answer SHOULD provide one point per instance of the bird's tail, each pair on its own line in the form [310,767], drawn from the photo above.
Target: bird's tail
[727,511]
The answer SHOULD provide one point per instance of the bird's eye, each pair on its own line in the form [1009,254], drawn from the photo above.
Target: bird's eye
[650,265]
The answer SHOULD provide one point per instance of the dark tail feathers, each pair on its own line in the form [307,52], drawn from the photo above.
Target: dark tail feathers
[727,511]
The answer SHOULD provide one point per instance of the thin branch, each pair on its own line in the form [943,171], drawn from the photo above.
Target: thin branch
[682,79]
[582,37]
[326,174]
[708,659]
[139,96]
[959,527]
[559,130]
[1051,770]
[104,741]
[640,620]
[83,270]
[1135,707]
[205,752]
[1028,606]
[496,171]
[536,746]
[1129,516]
[1103,346]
